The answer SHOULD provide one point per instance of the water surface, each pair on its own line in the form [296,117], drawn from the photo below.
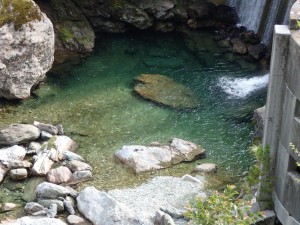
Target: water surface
[98,109]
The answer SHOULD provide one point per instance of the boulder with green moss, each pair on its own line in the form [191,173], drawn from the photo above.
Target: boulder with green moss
[27,47]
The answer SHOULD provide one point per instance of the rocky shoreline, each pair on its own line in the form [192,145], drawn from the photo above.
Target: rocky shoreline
[42,150]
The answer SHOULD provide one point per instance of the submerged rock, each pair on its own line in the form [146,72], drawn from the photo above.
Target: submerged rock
[205,168]
[163,90]
[27,50]
[143,158]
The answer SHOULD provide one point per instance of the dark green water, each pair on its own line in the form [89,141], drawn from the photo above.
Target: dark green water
[98,109]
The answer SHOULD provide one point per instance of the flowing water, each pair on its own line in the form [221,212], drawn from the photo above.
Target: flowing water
[97,107]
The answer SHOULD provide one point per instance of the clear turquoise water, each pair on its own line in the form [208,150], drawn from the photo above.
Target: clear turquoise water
[97,107]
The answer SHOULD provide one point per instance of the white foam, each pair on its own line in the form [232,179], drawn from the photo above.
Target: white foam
[242,87]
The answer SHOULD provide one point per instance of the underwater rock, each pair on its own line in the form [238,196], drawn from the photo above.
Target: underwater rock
[18,133]
[72,156]
[59,175]
[205,168]
[80,176]
[163,90]
[46,127]
[102,209]
[27,50]
[142,158]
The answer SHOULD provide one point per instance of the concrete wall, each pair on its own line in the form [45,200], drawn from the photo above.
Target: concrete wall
[282,125]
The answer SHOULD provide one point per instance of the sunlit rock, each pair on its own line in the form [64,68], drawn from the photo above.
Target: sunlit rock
[163,90]
[27,48]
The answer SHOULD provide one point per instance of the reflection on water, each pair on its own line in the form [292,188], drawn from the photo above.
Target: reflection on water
[98,109]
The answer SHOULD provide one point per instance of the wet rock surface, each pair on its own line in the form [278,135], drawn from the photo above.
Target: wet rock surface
[163,90]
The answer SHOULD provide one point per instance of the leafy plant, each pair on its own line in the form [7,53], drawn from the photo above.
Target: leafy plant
[296,150]
[222,208]
[18,12]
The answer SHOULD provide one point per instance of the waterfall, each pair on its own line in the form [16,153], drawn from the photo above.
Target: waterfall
[261,15]
[249,11]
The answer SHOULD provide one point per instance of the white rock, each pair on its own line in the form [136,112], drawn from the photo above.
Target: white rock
[18,174]
[75,165]
[76,220]
[101,209]
[8,206]
[42,164]
[34,148]
[59,175]
[25,56]
[36,221]
[206,168]
[72,156]
[12,153]
[64,143]
[142,158]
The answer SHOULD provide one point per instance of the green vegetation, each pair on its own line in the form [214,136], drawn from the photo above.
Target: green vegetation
[18,12]
[222,208]
[225,207]
[65,34]
[296,150]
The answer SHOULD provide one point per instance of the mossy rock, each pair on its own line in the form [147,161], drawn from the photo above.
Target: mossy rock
[18,12]
[163,90]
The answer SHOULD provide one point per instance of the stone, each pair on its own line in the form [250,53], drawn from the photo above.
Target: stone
[34,148]
[42,164]
[18,133]
[27,220]
[205,168]
[67,205]
[257,51]
[142,158]
[159,9]
[135,16]
[48,190]
[186,150]
[8,206]
[15,164]
[52,211]
[14,153]
[80,176]
[76,220]
[26,54]
[48,202]
[18,174]
[239,47]
[259,122]
[75,165]
[46,127]
[64,143]
[100,208]
[59,175]
[60,129]
[72,156]
[72,192]
[45,135]
[29,195]
[35,209]
[165,91]
[162,218]
[250,37]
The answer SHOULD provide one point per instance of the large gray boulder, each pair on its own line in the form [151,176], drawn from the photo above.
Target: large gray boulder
[27,51]
[18,133]
[102,209]
[146,158]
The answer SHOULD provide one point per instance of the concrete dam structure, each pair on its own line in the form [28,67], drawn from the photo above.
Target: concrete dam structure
[282,122]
